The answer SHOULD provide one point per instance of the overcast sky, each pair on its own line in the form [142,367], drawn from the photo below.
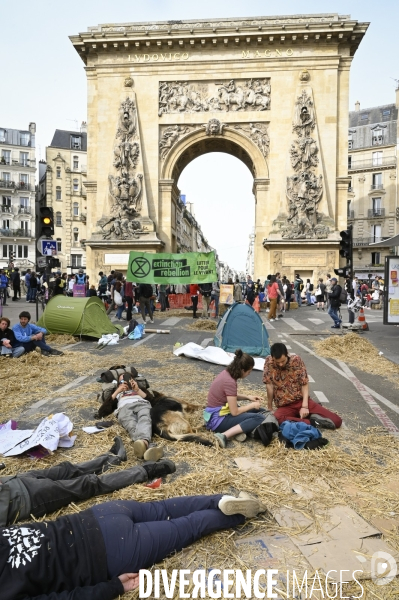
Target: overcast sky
[43,80]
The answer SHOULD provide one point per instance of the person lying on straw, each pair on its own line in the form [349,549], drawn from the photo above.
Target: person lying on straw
[97,554]
[43,491]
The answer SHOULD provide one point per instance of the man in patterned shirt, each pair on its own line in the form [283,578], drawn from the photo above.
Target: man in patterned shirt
[287,385]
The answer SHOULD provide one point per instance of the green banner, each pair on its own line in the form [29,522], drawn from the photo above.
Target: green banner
[192,267]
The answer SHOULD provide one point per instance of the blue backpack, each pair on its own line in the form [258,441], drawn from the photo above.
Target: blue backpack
[81,279]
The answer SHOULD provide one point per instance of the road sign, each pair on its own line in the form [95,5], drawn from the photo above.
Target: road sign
[48,247]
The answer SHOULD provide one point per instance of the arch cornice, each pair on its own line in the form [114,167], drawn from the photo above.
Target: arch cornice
[197,142]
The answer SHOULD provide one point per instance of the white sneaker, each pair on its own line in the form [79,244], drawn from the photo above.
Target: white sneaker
[151,320]
[271,320]
[249,507]
[240,437]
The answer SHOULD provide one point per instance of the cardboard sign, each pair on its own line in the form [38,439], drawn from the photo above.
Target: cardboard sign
[79,290]
[226,294]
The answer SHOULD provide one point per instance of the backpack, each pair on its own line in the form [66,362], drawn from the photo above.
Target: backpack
[146,290]
[300,286]
[343,296]
[80,279]
[311,287]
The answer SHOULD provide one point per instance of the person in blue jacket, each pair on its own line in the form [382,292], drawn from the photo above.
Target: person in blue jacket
[31,336]
[3,287]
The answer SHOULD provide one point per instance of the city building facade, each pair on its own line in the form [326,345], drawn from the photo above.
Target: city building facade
[62,187]
[271,91]
[17,189]
[373,206]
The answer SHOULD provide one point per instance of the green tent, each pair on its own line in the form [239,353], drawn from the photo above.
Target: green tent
[77,316]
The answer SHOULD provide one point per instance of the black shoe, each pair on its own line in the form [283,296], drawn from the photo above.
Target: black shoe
[55,352]
[264,432]
[118,448]
[160,468]
[316,444]
[321,422]
[45,353]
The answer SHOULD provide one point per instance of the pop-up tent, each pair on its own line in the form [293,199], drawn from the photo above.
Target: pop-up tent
[77,316]
[242,327]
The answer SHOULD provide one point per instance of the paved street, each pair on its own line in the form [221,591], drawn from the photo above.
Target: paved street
[334,384]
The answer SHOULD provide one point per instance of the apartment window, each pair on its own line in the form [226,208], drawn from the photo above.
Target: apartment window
[59,245]
[386,112]
[22,251]
[76,209]
[349,162]
[364,116]
[7,249]
[24,159]
[24,180]
[349,208]
[76,162]
[376,258]
[24,205]
[377,137]
[376,233]
[76,142]
[6,223]
[377,159]
[76,260]
[2,135]
[76,185]
[58,171]
[376,205]
[350,144]
[58,219]
[6,177]
[24,226]
[75,234]
[7,201]
[24,139]
[377,181]
[5,157]
[58,195]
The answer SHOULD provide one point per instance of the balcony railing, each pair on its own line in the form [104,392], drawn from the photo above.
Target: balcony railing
[377,186]
[7,183]
[369,240]
[372,163]
[18,163]
[21,185]
[376,212]
[24,210]
[15,233]
[6,209]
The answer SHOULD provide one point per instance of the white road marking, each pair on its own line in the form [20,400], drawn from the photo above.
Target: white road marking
[280,336]
[288,347]
[295,325]
[206,341]
[375,395]
[69,346]
[322,397]
[316,321]
[171,321]
[144,340]
[73,383]
[376,408]
[268,325]
[311,380]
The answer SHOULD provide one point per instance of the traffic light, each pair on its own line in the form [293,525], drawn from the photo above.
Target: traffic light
[346,251]
[46,223]
[346,244]
[11,257]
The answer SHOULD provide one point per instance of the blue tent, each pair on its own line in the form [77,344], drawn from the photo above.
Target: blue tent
[242,327]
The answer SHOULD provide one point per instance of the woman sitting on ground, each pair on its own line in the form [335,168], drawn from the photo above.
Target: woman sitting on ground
[222,414]
[97,554]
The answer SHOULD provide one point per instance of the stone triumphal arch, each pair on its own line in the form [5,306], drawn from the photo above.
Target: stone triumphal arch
[272,91]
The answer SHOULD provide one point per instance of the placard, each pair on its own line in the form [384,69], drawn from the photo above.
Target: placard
[79,290]
[391,290]
[226,294]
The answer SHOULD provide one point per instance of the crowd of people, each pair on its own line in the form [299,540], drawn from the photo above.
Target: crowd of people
[100,551]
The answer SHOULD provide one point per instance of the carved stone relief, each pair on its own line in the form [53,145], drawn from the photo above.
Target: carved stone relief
[126,187]
[182,96]
[214,127]
[304,190]
[257,132]
[169,137]
[304,76]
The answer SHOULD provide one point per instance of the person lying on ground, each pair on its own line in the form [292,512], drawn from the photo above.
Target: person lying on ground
[42,491]
[287,386]
[31,336]
[134,414]
[97,554]
[222,414]
[8,343]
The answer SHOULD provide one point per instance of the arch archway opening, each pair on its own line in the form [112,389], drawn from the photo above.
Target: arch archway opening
[218,186]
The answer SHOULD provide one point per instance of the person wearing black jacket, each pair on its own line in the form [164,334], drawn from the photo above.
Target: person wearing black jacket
[206,292]
[335,303]
[16,284]
[97,554]
[9,346]
[145,293]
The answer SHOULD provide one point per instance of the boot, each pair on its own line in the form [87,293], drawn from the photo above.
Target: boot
[118,448]
[159,469]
